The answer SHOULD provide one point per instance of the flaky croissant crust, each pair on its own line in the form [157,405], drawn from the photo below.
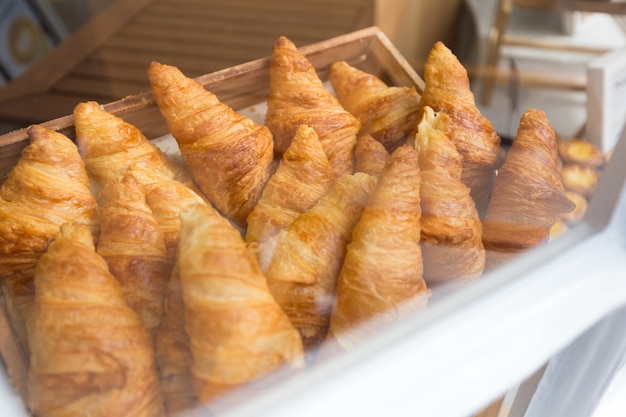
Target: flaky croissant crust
[297,96]
[237,331]
[89,351]
[451,226]
[388,113]
[229,155]
[528,194]
[383,268]
[447,90]
[303,176]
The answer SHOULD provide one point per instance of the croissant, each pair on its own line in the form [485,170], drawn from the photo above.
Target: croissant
[382,272]
[133,245]
[303,176]
[173,354]
[452,247]
[528,194]
[238,333]
[112,147]
[229,155]
[46,188]
[90,354]
[370,155]
[388,113]
[447,90]
[305,257]
[297,96]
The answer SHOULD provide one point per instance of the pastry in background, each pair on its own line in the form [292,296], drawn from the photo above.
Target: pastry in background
[304,259]
[303,176]
[388,113]
[452,247]
[173,354]
[580,178]
[90,354]
[528,194]
[370,155]
[581,204]
[381,277]
[133,245]
[581,152]
[238,333]
[112,147]
[447,90]
[47,187]
[229,155]
[297,96]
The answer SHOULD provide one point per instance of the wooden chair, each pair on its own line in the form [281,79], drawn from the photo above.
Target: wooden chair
[498,37]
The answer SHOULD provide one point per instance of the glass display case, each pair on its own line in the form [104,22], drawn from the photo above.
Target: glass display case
[542,335]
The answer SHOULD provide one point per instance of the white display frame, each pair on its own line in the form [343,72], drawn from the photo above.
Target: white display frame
[606,98]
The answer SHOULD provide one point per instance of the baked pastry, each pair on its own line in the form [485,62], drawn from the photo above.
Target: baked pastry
[388,113]
[46,188]
[447,90]
[112,147]
[581,204]
[581,152]
[381,277]
[303,260]
[229,155]
[452,247]
[528,194]
[297,96]
[238,333]
[133,245]
[303,176]
[173,354]
[581,179]
[90,354]
[370,155]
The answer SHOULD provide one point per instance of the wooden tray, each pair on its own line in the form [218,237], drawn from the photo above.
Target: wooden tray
[240,87]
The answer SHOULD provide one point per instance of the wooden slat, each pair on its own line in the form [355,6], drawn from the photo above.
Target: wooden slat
[255,14]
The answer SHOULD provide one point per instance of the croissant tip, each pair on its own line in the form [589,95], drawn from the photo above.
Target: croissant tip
[284,42]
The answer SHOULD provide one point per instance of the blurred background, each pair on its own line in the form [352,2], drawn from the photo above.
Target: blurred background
[518,53]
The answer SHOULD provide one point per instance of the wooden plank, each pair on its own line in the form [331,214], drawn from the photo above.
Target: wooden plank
[98,88]
[228,30]
[257,13]
[193,64]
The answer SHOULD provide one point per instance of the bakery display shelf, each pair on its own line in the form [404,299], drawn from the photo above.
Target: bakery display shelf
[473,343]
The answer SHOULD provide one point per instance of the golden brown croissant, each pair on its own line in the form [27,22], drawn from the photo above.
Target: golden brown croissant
[452,246]
[303,176]
[382,272]
[173,353]
[47,187]
[133,245]
[237,331]
[112,147]
[388,113]
[447,90]
[528,195]
[229,155]
[298,96]
[304,259]
[370,155]
[90,354]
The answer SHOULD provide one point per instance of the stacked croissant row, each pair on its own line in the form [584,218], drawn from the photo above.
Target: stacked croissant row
[142,286]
